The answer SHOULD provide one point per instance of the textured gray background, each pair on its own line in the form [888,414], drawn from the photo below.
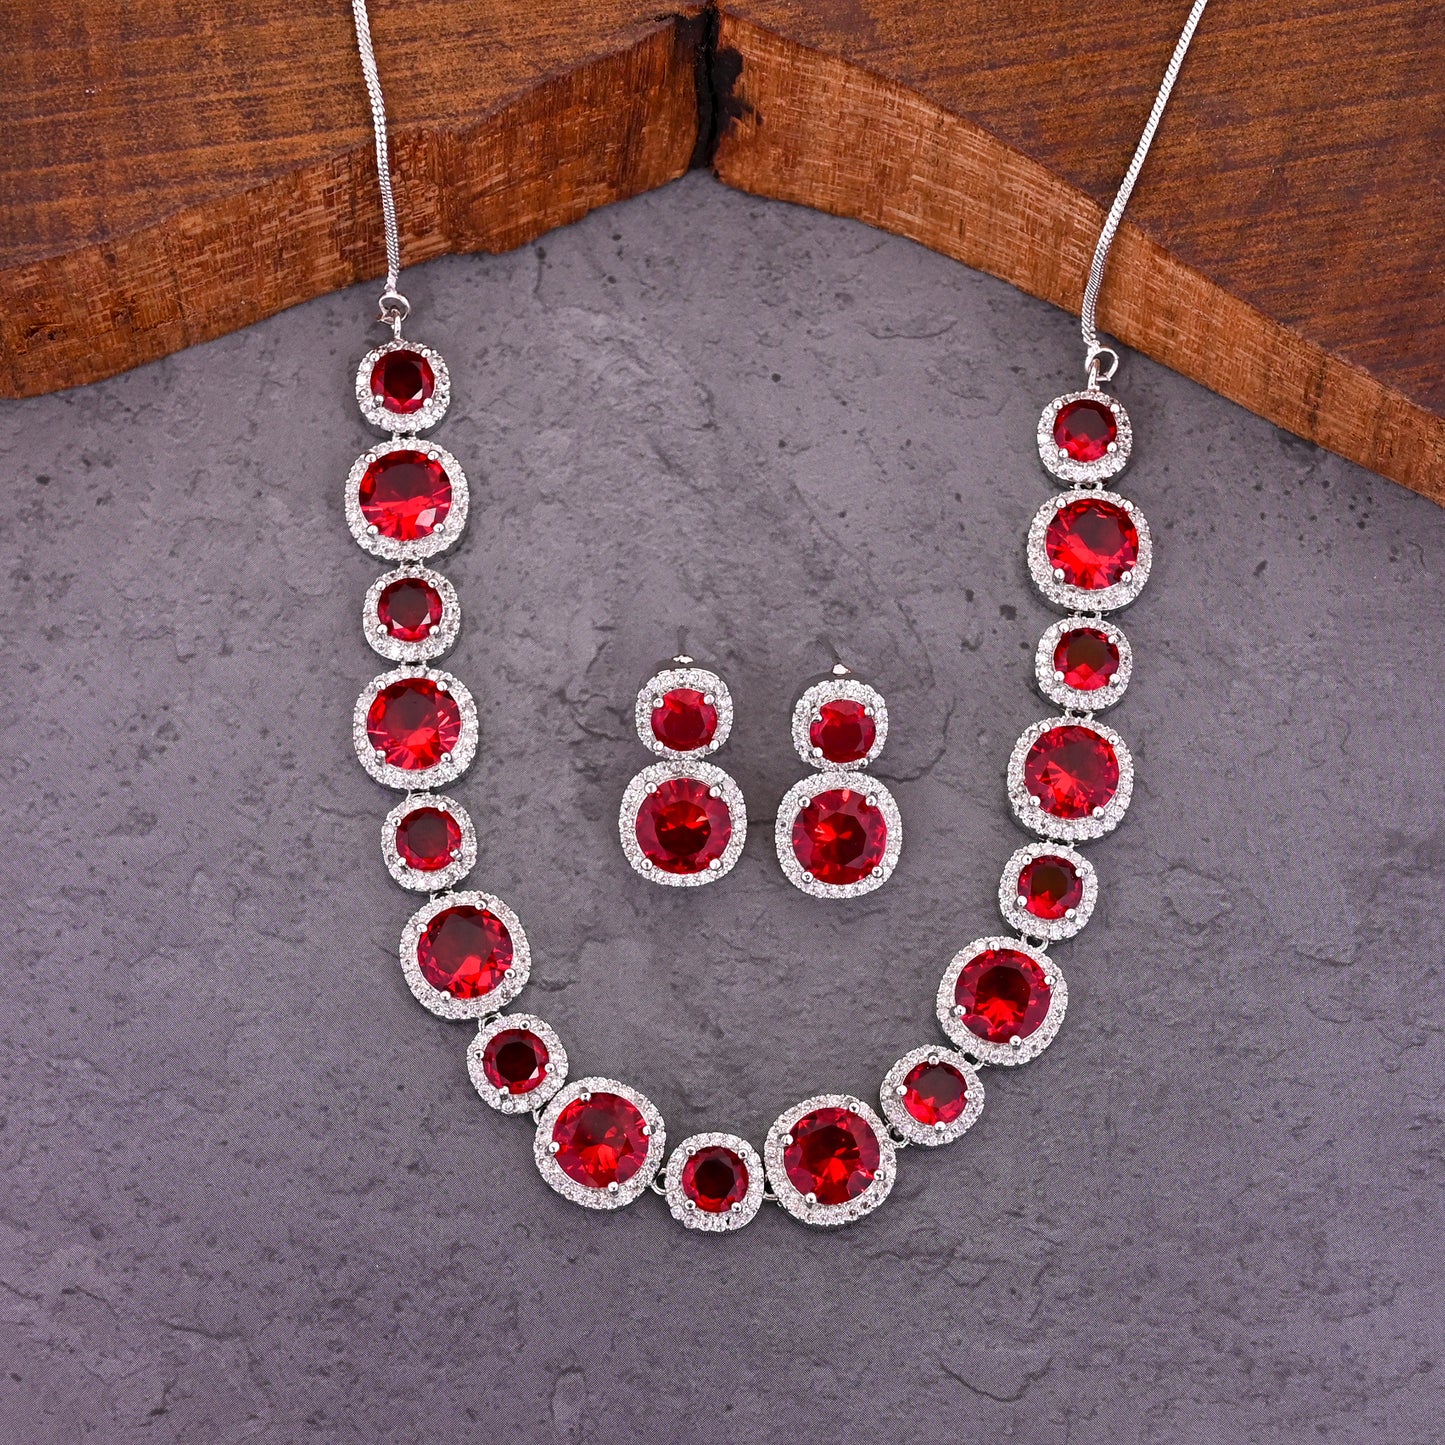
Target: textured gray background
[248,1192]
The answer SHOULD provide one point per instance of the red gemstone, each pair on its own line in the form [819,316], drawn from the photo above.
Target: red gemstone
[843,732]
[833,1155]
[935,1093]
[1071,770]
[402,381]
[1092,542]
[515,1061]
[714,1179]
[1003,995]
[428,839]
[1087,658]
[686,720]
[601,1140]
[405,495]
[1084,429]
[409,608]
[681,827]
[839,836]
[465,951]
[1049,887]
[413,723]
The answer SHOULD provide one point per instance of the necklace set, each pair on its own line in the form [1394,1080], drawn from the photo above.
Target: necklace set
[831,1158]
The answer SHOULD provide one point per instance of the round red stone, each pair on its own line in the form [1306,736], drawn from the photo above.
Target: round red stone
[839,837]
[428,839]
[405,495]
[402,381]
[843,732]
[601,1140]
[1071,770]
[1002,994]
[1087,658]
[686,720]
[714,1179]
[413,723]
[833,1155]
[465,951]
[515,1061]
[1049,887]
[1092,542]
[1084,430]
[681,827]
[409,608]
[935,1093]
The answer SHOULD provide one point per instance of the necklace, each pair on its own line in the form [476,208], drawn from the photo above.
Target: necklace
[831,1158]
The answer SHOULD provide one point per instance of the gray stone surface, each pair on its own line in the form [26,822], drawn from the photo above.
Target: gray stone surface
[248,1192]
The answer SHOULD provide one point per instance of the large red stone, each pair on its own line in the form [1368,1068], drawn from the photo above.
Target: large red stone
[413,723]
[465,951]
[714,1179]
[833,1155]
[428,839]
[405,495]
[409,608]
[935,1093]
[1071,770]
[681,827]
[515,1061]
[1093,542]
[685,721]
[1003,995]
[1084,430]
[1049,887]
[402,381]
[843,732]
[839,837]
[601,1140]
[1087,657]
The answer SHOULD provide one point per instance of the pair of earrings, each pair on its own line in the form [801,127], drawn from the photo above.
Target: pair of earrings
[683,821]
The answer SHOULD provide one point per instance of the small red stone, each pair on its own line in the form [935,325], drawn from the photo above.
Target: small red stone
[714,1179]
[515,1061]
[843,732]
[428,839]
[1071,770]
[1084,430]
[1049,887]
[839,837]
[1092,542]
[685,721]
[681,827]
[465,951]
[601,1140]
[935,1093]
[409,608]
[1087,658]
[833,1155]
[405,495]
[402,381]
[413,723]
[1003,995]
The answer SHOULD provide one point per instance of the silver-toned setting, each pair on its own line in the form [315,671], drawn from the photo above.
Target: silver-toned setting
[554,1071]
[686,1212]
[697,679]
[442,635]
[890,1096]
[617,1195]
[418,780]
[800,795]
[1050,929]
[1059,464]
[800,1205]
[389,548]
[463,860]
[428,414]
[1052,685]
[834,689]
[438,1001]
[1081,599]
[1069,830]
[716,781]
[1016,1050]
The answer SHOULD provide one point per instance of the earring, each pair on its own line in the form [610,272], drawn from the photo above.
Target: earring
[683,822]
[839,833]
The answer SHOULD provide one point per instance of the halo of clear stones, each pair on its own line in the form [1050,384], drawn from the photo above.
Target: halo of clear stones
[797,1203]
[711,777]
[416,780]
[984,1050]
[1053,930]
[1064,467]
[442,636]
[443,1004]
[1059,692]
[1082,599]
[698,679]
[686,1212]
[800,795]
[427,415]
[1069,830]
[582,1194]
[414,878]
[389,549]
[835,689]
[890,1096]
[556,1066]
